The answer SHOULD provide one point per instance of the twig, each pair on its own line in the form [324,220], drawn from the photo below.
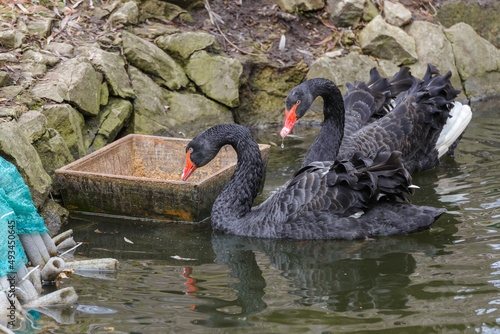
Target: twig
[214,22]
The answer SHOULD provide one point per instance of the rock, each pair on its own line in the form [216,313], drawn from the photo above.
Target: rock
[218,77]
[292,6]
[103,129]
[433,47]
[151,59]
[60,49]
[480,72]
[16,148]
[69,123]
[160,112]
[5,79]
[53,151]
[113,67]
[396,13]
[385,41]
[263,94]
[346,13]
[40,26]
[483,16]
[183,45]
[40,58]
[12,112]
[34,124]
[74,81]
[104,93]
[54,216]
[370,11]
[162,11]
[193,113]
[154,29]
[7,57]
[126,14]
[11,39]
[10,92]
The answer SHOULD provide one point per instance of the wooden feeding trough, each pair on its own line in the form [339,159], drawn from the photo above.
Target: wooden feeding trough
[140,176]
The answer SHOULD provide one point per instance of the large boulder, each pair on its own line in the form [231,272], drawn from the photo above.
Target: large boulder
[263,93]
[346,13]
[182,45]
[128,13]
[162,10]
[113,67]
[16,148]
[69,124]
[34,124]
[75,81]
[433,47]
[103,128]
[386,41]
[151,59]
[53,151]
[480,72]
[40,26]
[218,77]
[293,6]
[158,111]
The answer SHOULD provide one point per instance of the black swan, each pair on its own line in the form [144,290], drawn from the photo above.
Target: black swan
[416,117]
[324,200]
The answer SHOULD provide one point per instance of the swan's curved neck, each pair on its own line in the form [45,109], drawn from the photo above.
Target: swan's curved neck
[327,144]
[236,199]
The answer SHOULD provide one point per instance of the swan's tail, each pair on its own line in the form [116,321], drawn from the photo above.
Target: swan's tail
[460,116]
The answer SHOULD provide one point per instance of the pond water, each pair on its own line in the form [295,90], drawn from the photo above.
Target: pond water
[178,278]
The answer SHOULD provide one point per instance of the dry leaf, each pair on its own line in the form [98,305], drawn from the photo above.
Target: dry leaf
[97,231]
[126,240]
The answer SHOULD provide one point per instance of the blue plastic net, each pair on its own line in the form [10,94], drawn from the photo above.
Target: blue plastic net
[18,215]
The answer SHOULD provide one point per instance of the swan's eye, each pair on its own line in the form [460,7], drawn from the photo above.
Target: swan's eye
[297,103]
[190,150]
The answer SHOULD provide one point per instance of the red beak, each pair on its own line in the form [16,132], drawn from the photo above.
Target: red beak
[190,167]
[290,119]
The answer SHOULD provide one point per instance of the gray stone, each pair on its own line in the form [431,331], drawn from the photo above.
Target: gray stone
[104,93]
[154,29]
[158,111]
[370,11]
[7,57]
[40,58]
[60,49]
[11,39]
[128,13]
[292,6]
[433,47]
[10,92]
[151,59]
[103,128]
[182,45]
[385,41]
[346,13]
[74,81]
[12,112]
[218,77]
[113,67]
[40,26]
[53,151]
[5,79]
[162,11]
[69,124]
[396,13]
[16,148]
[34,124]
[480,72]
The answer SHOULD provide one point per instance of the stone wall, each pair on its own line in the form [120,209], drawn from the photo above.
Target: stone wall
[62,101]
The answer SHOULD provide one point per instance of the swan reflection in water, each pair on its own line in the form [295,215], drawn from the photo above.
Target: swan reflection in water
[339,275]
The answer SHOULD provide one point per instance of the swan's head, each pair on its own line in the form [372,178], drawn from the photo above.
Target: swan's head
[199,152]
[297,103]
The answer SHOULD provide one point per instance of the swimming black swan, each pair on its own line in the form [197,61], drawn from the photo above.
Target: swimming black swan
[416,117]
[324,200]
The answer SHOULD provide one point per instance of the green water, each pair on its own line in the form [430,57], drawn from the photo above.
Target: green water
[181,278]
